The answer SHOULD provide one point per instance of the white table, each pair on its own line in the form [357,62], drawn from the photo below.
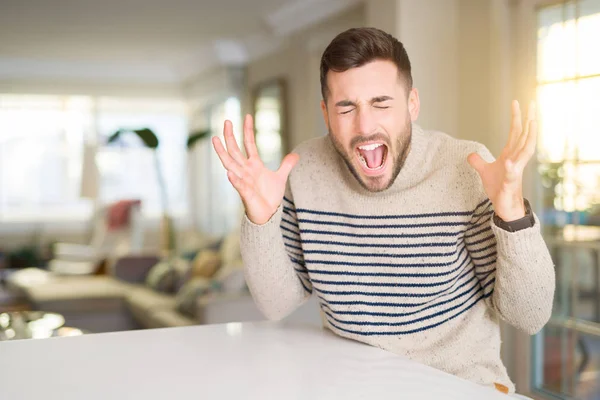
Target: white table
[232,361]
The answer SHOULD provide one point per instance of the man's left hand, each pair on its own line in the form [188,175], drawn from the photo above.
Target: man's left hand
[503,178]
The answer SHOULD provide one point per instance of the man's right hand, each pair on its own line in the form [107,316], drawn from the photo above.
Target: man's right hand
[260,189]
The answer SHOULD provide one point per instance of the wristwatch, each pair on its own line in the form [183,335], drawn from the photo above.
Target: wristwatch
[522,223]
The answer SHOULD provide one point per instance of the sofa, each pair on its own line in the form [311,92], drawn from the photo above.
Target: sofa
[123,300]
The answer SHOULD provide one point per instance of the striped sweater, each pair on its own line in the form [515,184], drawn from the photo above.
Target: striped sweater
[419,269]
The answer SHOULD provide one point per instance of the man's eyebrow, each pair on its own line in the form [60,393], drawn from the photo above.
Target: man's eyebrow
[345,103]
[380,99]
[349,103]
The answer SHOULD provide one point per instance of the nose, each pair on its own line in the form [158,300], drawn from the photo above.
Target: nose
[365,121]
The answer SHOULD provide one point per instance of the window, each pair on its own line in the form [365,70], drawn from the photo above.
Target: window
[41,149]
[42,142]
[567,352]
[129,171]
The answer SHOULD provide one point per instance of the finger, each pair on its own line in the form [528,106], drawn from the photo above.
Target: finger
[515,127]
[249,142]
[529,147]
[229,163]
[476,162]
[232,146]
[288,163]
[525,135]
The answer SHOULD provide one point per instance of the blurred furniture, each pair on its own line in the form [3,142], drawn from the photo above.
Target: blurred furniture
[122,301]
[212,289]
[262,360]
[110,238]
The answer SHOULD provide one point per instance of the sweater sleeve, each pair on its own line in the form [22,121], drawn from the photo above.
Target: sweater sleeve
[515,269]
[274,263]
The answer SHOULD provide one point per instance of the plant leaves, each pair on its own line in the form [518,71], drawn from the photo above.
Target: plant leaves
[196,137]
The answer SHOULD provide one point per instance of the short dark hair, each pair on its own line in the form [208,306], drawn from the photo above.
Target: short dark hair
[358,46]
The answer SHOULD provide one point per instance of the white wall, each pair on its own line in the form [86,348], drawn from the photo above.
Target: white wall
[297,61]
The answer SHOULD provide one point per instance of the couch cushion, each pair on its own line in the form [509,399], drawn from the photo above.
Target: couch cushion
[142,299]
[78,294]
[162,277]
[186,299]
[206,263]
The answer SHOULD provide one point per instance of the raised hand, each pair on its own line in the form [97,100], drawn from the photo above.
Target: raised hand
[503,178]
[260,189]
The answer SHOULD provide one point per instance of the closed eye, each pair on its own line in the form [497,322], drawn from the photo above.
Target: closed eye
[382,107]
[348,111]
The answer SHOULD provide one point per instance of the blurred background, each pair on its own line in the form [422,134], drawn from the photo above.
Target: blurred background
[116,214]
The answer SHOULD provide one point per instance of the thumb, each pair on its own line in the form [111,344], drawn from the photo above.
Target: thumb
[288,163]
[476,162]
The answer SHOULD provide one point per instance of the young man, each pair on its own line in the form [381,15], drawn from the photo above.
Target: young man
[411,241]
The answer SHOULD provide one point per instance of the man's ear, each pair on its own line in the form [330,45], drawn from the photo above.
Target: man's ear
[414,105]
[325,115]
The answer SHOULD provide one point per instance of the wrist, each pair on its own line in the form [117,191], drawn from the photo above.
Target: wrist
[512,213]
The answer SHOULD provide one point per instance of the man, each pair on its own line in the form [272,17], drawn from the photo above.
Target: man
[411,241]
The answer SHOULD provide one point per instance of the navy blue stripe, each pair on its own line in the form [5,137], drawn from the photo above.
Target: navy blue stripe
[483,275]
[381,245]
[404,305]
[387,255]
[361,264]
[289,201]
[289,213]
[393,226]
[290,246]
[414,321]
[291,253]
[424,328]
[484,202]
[486,211]
[400,216]
[288,209]
[485,264]
[389,274]
[296,261]
[389,284]
[479,232]
[289,230]
[485,239]
[387,294]
[301,271]
[491,246]
[289,223]
[292,239]
[380,235]
[406,314]
[304,286]
[483,217]
[484,256]
[474,226]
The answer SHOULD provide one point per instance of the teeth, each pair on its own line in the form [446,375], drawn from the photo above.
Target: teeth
[369,147]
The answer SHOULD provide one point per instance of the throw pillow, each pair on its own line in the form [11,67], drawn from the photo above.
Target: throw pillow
[186,298]
[206,264]
[162,277]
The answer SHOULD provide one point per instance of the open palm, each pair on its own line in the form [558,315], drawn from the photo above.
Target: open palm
[503,178]
[260,189]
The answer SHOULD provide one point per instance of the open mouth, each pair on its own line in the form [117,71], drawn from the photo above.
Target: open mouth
[372,156]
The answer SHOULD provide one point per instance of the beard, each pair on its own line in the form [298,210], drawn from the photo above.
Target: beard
[397,154]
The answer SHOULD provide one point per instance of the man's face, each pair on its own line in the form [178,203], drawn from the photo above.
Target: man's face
[369,114]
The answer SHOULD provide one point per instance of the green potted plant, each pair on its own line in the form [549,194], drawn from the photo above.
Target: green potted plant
[150,140]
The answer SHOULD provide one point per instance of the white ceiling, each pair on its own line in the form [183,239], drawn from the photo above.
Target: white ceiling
[158,41]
